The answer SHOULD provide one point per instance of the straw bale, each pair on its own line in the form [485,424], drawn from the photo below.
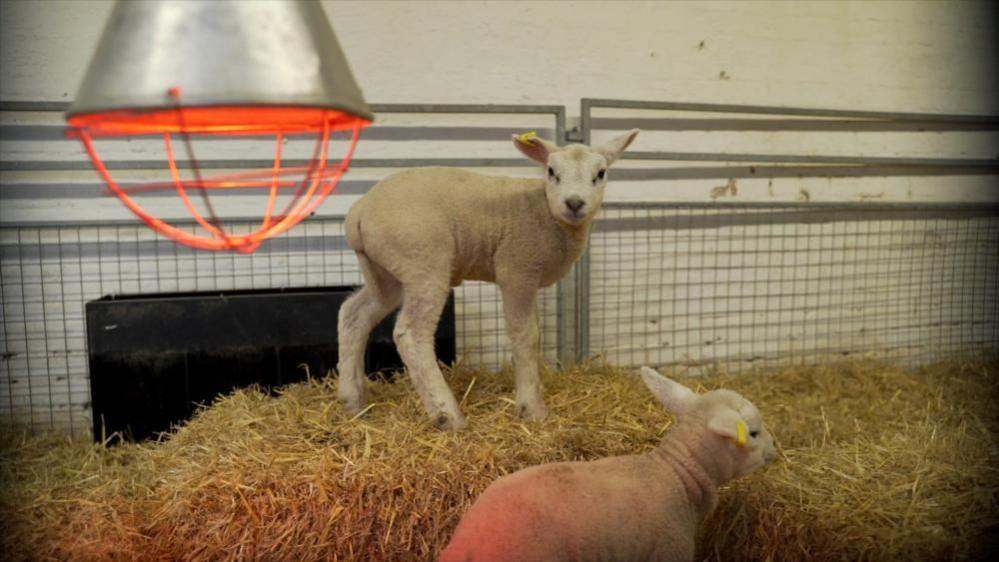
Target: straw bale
[878,463]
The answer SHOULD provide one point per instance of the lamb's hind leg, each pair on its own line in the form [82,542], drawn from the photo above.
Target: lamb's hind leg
[414,338]
[359,314]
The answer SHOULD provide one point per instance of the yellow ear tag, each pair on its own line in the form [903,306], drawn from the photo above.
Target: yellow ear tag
[528,137]
[740,438]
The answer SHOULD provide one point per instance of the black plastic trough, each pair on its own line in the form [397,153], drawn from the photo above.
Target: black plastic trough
[153,358]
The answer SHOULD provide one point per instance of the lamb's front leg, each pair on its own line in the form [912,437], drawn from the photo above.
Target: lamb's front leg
[520,310]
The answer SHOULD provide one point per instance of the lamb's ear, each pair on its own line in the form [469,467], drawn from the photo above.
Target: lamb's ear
[729,424]
[535,148]
[613,148]
[670,393]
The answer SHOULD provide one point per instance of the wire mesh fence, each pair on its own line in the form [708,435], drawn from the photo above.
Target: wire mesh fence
[720,284]
[729,285]
[48,273]
[750,284]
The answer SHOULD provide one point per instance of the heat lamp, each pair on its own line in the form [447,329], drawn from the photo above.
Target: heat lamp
[179,71]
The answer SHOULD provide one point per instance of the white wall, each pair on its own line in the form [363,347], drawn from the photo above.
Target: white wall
[915,56]
[934,57]
[937,57]
[893,56]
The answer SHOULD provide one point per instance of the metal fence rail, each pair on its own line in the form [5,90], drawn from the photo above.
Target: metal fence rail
[663,120]
[738,285]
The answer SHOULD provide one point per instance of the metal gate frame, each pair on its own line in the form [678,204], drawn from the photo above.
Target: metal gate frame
[579,279]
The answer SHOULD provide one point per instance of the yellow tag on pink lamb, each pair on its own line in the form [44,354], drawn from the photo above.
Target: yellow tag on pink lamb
[528,137]
[740,436]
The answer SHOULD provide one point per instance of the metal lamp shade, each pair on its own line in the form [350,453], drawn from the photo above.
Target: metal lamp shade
[180,69]
[215,59]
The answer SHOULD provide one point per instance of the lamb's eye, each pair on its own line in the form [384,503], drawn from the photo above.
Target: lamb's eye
[551,172]
[601,174]
[754,434]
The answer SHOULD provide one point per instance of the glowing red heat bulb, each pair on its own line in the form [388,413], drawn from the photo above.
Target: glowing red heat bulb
[318,178]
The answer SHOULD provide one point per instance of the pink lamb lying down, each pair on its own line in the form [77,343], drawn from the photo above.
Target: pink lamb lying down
[636,507]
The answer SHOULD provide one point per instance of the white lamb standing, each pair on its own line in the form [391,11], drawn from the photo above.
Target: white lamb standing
[637,507]
[420,232]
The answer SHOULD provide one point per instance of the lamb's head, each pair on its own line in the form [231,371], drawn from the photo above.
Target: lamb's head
[576,174]
[726,414]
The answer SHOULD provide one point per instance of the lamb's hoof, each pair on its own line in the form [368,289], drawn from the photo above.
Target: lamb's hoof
[352,406]
[447,422]
[536,411]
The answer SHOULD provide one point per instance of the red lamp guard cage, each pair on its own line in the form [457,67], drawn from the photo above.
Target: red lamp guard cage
[319,179]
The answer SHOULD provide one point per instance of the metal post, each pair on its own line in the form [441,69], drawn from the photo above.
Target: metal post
[565,289]
[582,269]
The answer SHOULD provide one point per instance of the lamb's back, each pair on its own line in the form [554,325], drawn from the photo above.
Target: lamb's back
[439,192]
[460,217]
[612,509]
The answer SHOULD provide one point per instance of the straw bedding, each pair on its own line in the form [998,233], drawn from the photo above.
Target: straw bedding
[877,463]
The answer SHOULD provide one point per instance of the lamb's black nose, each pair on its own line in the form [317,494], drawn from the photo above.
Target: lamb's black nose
[574,204]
